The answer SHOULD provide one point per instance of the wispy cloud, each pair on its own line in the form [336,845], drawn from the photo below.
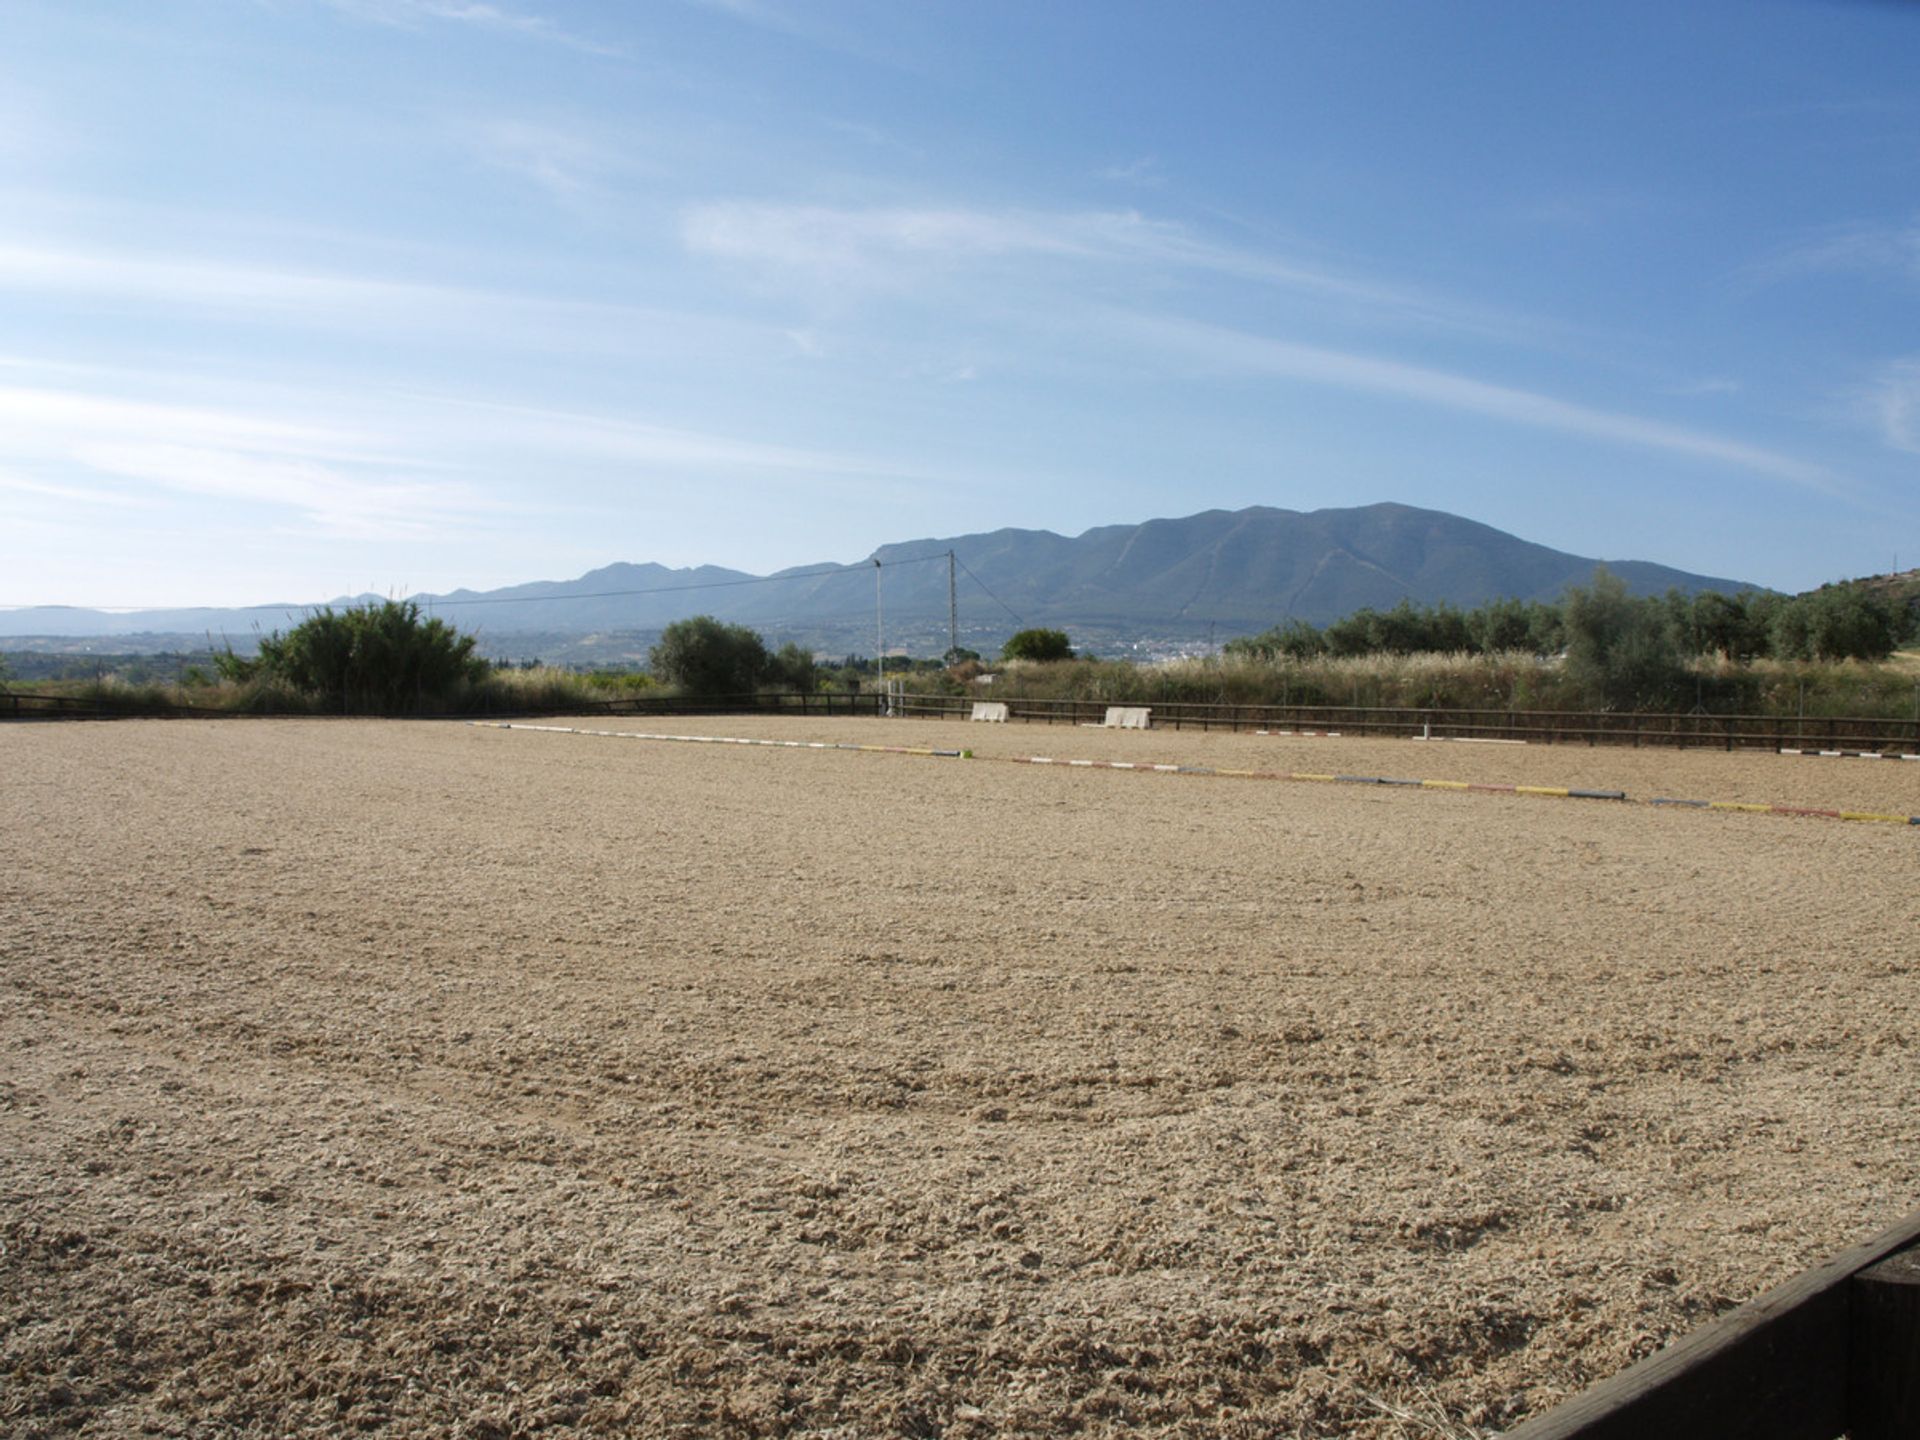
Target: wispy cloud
[1842,105]
[36,414]
[756,12]
[500,19]
[334,482]
[205,283]
[331,301]
[874,136]
[1861,248]
[331,500]
[858,241]
[808,22]
[892,248]
[564,162]
[370,466]
[1215,347]
[1145,171]
[1711,385]
[1579,209]
[642,442]
[30,137]
[74,494]
[944,372]
[1894,403]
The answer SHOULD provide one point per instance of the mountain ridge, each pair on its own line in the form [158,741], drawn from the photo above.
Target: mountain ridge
[1216,571]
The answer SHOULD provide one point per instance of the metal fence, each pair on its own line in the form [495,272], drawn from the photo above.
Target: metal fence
[1540,727]
[19,705]
[1545,727]
[781,703]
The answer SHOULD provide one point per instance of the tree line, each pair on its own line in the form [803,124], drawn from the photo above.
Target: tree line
[705,656]
[1836,622]
[1610,648]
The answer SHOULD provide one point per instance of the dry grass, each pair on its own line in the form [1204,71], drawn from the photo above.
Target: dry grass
[1497,682]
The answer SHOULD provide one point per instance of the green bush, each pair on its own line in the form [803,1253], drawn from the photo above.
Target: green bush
[701,656]
[1037,645]
[1500,627]
[1836,623]
[1621,651]
[791,668]
[1734,627]
[613,682]
[1291,640]
[368,659]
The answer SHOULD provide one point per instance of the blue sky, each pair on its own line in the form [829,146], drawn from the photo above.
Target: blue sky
[309,297]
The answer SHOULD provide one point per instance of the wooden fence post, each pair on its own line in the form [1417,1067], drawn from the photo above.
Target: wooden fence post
[1883,1362]
[1835,1350]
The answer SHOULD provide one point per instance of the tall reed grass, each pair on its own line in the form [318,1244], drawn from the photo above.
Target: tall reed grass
[541,688]
[1510,681]
[1505,681]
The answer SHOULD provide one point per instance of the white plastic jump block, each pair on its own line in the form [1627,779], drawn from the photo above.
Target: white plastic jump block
[995,710]
[1129,717]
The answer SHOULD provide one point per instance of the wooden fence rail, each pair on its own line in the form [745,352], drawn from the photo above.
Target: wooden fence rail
[1835,1351]
[823,702]
[20,705]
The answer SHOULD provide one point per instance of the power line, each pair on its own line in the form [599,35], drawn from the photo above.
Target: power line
[679,589]
[1017,618]
[440,604]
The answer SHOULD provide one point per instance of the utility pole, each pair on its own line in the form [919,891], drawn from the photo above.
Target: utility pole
[953,611]
[879,633]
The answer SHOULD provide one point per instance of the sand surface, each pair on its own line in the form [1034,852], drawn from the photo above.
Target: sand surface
[424,1079]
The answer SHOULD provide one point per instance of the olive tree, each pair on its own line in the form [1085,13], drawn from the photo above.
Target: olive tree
[1620,649]
[702,656]
[1037,645]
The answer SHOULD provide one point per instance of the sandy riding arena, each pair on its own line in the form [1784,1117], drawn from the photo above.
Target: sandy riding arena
[428,1079]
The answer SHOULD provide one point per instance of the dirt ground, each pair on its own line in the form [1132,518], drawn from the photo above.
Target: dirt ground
[425,1079]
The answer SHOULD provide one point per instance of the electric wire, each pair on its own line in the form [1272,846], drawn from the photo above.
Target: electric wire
[439,604]
[1017,618]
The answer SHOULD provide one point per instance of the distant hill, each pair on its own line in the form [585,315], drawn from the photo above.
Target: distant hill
[1247,569]
[1221,572]
[1899,589]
